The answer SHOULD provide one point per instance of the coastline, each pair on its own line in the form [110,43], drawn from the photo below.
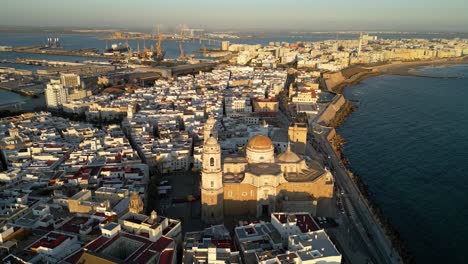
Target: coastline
[406,68]
[402,68]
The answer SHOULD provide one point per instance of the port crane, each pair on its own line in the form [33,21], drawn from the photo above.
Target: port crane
[159,56]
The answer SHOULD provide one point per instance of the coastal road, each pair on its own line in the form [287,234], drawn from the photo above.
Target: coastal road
[360,214]
[360,218]
[346,236]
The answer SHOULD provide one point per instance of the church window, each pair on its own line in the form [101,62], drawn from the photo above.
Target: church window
[244,194]
[211,162]
[212,184]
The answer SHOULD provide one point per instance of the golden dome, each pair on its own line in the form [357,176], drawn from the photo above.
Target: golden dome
[288,157]
[260,142]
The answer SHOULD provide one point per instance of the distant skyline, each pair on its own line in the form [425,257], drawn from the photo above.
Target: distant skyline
[241,15]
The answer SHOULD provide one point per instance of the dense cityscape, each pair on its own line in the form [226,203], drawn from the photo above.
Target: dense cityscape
[224,153]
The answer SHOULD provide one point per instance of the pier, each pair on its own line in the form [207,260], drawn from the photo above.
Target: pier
[16,105]
[91,52]
[45,63]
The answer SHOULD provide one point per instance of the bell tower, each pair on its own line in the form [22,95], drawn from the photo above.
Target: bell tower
[210,129]
[212,190]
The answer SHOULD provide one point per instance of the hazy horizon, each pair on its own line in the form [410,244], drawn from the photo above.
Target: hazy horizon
[241,15]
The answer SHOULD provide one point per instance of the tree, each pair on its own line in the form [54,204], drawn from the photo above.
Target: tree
[153,195]
[283,100]
[181,124]
[302,117]
[340,48]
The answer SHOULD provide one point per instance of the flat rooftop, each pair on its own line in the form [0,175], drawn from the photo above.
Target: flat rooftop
[304,221]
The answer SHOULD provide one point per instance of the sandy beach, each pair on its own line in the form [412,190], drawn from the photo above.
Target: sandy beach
[406,68]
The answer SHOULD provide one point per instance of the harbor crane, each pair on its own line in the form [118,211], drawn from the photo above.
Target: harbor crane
[159,51]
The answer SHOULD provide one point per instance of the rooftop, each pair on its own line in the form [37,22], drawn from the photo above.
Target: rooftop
[51,240]
[313,245]
[304,221]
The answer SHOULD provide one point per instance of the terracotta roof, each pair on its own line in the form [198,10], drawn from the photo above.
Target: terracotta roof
[166,256]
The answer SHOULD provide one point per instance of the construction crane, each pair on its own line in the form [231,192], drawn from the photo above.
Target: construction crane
[159,51]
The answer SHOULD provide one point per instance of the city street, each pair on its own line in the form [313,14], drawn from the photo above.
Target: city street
[353,248]
[371,233]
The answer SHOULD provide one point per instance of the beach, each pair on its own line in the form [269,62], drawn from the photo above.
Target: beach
[355,74]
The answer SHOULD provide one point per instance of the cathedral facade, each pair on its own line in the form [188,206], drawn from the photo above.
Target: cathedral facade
[260,182]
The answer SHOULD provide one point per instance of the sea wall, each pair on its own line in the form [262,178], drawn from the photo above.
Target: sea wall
[335,82]
[331,80]
[327,115]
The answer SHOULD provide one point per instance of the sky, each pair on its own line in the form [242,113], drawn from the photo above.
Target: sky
[241,15]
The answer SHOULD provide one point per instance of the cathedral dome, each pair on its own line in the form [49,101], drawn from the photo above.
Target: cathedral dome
[288,157]
[260,149]
[260,142]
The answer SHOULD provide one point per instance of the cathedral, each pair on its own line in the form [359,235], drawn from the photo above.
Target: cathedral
[260,182]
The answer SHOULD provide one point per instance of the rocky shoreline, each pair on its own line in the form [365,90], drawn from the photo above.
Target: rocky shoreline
[358,75]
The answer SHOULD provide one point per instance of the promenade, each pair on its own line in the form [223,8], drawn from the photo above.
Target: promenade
[357,209]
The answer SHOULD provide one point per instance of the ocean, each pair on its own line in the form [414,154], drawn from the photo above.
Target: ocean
[28,103]
[408,142]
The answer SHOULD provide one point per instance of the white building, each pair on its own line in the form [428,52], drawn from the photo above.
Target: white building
[314,247]
[110,230]
[55,246]
[70,80]
[305,96]
[289,224]
[56,95]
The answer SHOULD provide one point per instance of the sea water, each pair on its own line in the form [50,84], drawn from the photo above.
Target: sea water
[408,140]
